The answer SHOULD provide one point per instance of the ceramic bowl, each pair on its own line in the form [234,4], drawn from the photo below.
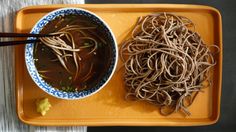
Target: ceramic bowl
[29,58]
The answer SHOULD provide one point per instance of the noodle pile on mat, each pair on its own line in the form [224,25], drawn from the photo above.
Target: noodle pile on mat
[165,62]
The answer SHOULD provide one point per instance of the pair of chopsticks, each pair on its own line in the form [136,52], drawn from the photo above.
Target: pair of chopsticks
[20,35]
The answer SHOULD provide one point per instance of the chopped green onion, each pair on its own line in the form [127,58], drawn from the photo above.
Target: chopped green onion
[86,44]
[68,89]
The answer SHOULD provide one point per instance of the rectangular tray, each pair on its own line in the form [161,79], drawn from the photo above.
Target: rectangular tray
[108,107]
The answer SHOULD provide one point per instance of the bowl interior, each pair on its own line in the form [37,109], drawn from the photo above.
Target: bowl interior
[29,58]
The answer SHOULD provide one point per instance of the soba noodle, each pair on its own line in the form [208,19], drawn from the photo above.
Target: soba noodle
[64,48]
[166,62]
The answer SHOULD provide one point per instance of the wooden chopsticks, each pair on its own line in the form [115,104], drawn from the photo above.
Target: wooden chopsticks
[24,35]
[9,43]
[20,35]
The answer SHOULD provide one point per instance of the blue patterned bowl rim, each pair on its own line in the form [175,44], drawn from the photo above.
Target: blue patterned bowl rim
[29,60]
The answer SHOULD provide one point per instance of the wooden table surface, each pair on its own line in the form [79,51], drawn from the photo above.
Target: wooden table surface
[9,121]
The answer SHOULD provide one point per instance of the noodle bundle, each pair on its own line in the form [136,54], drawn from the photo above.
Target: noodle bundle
[67,47]
[166,62]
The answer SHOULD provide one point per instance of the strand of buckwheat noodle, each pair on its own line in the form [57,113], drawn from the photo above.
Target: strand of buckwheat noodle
[165,62]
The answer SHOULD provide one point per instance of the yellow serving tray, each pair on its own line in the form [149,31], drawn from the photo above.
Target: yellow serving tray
[108,107]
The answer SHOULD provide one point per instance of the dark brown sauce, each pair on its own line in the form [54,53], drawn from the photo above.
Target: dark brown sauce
[92,67]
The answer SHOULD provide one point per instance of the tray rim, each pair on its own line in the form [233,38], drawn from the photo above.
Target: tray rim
[207,121]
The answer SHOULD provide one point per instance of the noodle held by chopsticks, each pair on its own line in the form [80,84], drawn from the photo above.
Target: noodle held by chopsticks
[166,62]
[64,49]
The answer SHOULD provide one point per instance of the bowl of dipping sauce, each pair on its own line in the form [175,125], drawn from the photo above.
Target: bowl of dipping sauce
[78,60]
